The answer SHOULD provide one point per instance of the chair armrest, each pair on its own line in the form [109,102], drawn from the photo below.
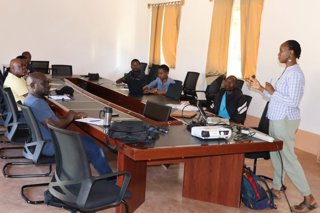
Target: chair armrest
[127,177]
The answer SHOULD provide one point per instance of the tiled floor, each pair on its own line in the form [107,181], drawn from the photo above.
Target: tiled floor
[163,190]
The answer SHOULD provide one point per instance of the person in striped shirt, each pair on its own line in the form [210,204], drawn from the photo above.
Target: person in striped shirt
[284,114]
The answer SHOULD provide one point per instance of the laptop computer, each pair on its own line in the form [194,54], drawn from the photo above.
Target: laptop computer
[135,87]
[157,112]
[174,91]
[210,119]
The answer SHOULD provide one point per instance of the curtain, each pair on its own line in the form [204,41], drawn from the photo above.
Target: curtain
[170,33]
[156,26]
[217,58]
[250,11]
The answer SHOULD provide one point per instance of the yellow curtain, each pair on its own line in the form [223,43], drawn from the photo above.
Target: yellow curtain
[250,11]
[170,33]
[217,59]
[156,26]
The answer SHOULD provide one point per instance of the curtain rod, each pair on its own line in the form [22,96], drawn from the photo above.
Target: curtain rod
[166,3]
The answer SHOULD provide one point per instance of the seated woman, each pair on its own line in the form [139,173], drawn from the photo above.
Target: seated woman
[229,102]
[160,85]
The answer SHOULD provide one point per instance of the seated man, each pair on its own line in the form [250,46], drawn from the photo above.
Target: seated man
[229,102]
[27,56]
[135,73]
[161,83]
[38,86]
[15,79]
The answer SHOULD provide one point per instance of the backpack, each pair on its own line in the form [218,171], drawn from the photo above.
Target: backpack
[132,132]
[255,193]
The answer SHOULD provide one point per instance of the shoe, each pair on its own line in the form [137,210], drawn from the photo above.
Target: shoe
[304,207]
[276,194]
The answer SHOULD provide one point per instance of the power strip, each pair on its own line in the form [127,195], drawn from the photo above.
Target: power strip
[257,134]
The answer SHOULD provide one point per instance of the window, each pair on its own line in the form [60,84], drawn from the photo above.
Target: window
[234,53]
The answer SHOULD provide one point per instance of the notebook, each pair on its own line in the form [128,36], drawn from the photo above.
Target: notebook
[157,112]
[135,87]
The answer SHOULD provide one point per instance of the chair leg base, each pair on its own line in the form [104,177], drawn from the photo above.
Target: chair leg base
[11,148]
[25,197]
[8,165]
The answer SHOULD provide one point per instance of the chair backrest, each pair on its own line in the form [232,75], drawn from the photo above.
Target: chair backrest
[32,148]
[40,66]
[264,121]
[61,70]
[71,159]
[213,88]
[32,122]
[11,105]
[190,83]
[143,66]
[240,83]
[153,73]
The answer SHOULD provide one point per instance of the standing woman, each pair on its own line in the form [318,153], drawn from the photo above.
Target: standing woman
[284,115]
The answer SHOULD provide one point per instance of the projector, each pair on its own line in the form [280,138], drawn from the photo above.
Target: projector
[211,132]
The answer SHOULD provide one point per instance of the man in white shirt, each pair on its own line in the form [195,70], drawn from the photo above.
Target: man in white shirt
[15,79]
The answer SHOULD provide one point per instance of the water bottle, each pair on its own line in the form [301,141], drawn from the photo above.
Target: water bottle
[106,115]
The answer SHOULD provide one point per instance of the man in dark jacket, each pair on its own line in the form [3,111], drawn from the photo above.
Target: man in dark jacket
[229,102]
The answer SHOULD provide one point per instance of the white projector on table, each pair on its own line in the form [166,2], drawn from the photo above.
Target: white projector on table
[211,132]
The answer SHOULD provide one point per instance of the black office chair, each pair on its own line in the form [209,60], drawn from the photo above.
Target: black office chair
[262,127]
[153,73]
[40,66]
[73,182]
[189,86]
[17,129]
[212,89]
[61,70]
[174,91]
[32,149]
[240,83]
[143,66]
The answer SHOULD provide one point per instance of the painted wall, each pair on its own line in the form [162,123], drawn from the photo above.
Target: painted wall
[104,35]
[100,36]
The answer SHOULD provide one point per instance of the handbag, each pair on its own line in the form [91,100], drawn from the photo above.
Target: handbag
[129,131]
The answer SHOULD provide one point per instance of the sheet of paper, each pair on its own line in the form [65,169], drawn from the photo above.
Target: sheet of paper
[59,97]
[94,121]
[184,107]
[55,84]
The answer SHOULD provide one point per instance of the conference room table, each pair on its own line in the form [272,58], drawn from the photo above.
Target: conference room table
[212,168]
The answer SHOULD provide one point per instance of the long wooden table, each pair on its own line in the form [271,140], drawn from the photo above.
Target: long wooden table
[212,169]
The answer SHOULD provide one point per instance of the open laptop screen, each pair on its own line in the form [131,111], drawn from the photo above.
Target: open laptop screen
[157,111]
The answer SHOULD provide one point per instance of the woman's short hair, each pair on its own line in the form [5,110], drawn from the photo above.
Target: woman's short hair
[295,46]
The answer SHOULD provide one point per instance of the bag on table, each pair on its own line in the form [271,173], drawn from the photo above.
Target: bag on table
[131,131]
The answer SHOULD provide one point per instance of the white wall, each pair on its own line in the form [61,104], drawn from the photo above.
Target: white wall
[104,35]
[281,21]
[93,36]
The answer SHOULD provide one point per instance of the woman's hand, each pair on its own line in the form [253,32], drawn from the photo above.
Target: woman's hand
[254,83]
[269,88]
